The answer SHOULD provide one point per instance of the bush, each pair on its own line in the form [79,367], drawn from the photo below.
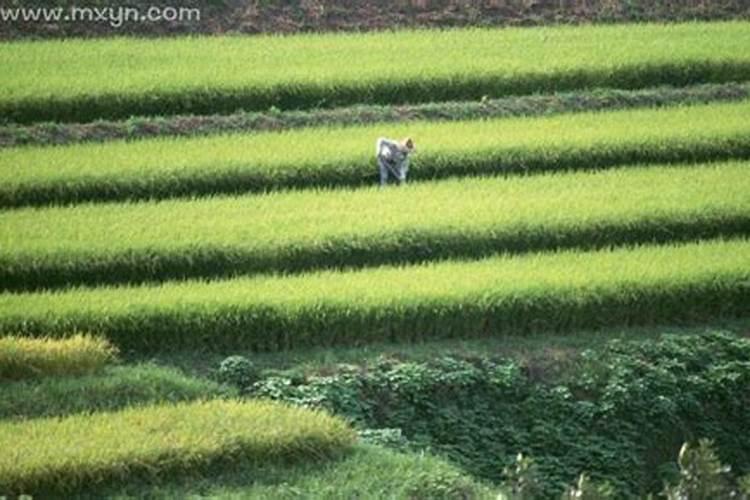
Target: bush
[22,357]
[621,416]
[237,371]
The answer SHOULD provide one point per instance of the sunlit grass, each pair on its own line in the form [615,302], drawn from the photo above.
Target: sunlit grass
[335,156]
[559,291]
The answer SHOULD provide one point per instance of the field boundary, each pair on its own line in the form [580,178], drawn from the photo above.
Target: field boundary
[202,125]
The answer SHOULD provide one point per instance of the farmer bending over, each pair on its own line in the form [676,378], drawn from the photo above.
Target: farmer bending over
[393,158]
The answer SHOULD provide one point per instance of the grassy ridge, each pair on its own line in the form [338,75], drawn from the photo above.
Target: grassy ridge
[158,441]
[115,388]
[161,168]
[527,105]
[368,473]
[559,291]
[83,80]
[306,230]
[22,358]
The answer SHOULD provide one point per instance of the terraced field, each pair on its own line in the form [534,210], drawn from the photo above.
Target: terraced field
[278,241]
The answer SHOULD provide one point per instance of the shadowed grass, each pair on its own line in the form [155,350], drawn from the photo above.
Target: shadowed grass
[506,294]
[259,121]
[115,388]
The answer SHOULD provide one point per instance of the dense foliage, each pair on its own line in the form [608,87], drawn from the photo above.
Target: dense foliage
[620,416]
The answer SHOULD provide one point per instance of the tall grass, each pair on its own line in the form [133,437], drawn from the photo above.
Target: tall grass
[295,231]
[55,456]
[79,354]
[337,156]
[80,80]
[114,388]
[370,472]
[505,294]
[259,121]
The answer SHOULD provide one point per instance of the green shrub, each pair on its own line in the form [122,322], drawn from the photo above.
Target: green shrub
[59,456]
[702,476]
[619,416]
[237,371]
[22,357]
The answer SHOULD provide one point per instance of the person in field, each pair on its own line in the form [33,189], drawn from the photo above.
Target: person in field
[393,158]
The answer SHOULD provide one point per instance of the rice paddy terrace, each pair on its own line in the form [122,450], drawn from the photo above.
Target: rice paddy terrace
[275,241]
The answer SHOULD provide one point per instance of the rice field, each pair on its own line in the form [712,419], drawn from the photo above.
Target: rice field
[282,242]
[164,439]
[81,80]
[314,229]
[558,292]
[79,354]
[344,156]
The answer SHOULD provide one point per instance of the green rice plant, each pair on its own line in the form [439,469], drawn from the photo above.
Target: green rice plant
[81,80]
[55,456]
[273,119]
[305,230]
[368,473]
[559,291]
[79,354]
[341,156]
[114,388]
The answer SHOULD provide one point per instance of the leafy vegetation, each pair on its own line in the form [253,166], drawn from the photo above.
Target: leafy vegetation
[620,415]
[64,455]
[296,231]
[49,81]
[340,156]
[79,354]
[558,292]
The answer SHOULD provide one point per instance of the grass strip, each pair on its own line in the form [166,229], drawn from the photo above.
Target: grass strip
[116,387]
[22,358]
[306,230]
[55,456]
[368,473]
[506,294]
[82,80]
[344,156]
[245,121]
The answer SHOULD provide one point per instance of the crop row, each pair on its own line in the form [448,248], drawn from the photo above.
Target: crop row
[259,121]
[22,357]
[342,156]
[555,292]
[87,79]
[304,230]
[49,457]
